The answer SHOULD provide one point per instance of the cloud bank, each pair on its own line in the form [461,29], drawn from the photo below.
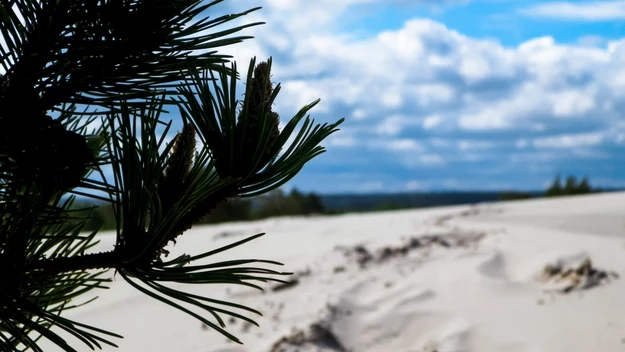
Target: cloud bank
[429,106]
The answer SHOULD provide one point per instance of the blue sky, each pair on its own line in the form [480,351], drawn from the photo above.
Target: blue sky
[449,94]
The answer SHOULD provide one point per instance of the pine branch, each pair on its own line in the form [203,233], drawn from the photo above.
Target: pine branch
[121,56]
[94,261]
[202,210]
[90,52]
[116,259]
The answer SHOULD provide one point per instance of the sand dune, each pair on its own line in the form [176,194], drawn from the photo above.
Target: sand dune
[528,276]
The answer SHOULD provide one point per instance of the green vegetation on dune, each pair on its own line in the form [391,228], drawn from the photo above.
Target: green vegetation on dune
[571,187]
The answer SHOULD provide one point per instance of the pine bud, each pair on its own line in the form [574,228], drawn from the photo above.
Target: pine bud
[256,112]
[178,166]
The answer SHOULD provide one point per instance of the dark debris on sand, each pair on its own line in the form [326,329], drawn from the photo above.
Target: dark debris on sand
[445,240]
[318,334]
[582,277]
[294,281]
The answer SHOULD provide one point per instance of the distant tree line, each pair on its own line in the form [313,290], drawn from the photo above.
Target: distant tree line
[295,203]
[515,195]
[570,186]
[275,203]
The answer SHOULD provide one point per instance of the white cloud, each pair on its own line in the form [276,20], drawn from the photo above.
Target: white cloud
[584,11]
[391,99]
[300,93]
[430,94]
[440,143]
[569,141]
[523,158]
[572,102]
[487,119]
[474,144]
[451,183]
[431,73]
[391,126]
[424,94]
[359,114]
[417,160]
[431,159]
[394,124]
[404,145]
[474,69]
[370,186]
[413,186]
[341,140]
[432,121]
[418,93]
[591,41]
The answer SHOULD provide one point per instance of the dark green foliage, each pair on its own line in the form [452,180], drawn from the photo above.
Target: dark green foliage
[584,186]
[277,203]
[515,195]
[340,203]
[571,187]
[555,189]
[388,206]
[232,210]
[312,204]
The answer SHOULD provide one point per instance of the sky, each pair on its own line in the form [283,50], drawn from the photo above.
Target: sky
[448,94]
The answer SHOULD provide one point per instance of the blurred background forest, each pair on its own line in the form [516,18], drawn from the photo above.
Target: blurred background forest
[296,203]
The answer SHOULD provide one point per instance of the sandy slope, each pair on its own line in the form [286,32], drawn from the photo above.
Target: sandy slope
[472,285]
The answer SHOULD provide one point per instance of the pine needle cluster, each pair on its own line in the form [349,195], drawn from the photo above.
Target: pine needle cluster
[124,63]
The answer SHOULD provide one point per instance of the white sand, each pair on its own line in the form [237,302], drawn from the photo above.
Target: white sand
[483,297]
